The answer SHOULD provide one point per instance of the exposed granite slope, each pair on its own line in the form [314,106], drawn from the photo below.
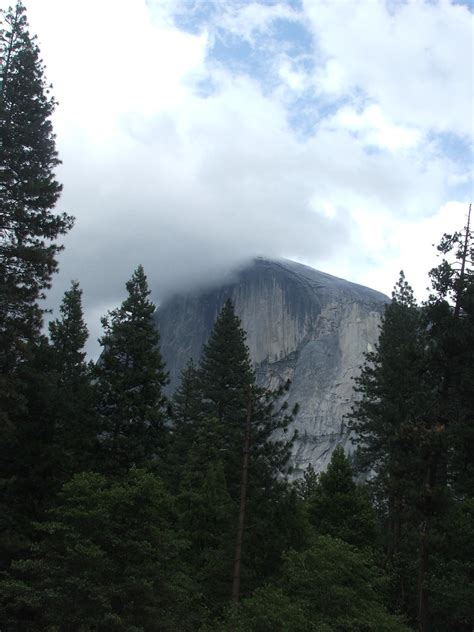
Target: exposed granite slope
[301,324]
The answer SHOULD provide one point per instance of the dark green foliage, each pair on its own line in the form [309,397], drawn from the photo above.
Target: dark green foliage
[114,551]
[73,405]
[392,421]
[225,370]
[226,380]
[446,548]
[187,400]
[270,609]
[452,279]
[461,433]
[208,517]
[186,411]
[414,425]
[227,385]
[211,411]
[336,506]
[396,422]
[28,457]
[276,523]
[56,435]
[452,567]
[108,560]
[69,335]
[306,485]
[396,393]
[206,446]
[28,258]
[28,192]
[130,379]
[450,314]
[330,587]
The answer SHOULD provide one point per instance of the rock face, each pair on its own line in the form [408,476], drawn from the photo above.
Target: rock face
[303,325]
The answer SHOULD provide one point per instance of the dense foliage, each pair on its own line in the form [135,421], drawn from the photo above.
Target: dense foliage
[130,377]
[413,425]
[123,510]
[28,193]
[318,591]
[28,258]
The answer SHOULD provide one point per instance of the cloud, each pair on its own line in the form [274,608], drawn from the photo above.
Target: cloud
[249,20]
[411,246]
[412,61]
[318,144]
[374,129]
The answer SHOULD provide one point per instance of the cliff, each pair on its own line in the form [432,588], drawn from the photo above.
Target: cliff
[303,325]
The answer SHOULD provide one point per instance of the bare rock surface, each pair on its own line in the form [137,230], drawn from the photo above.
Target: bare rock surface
[303,325]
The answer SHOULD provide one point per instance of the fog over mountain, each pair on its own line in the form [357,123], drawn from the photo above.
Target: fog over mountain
[302,325]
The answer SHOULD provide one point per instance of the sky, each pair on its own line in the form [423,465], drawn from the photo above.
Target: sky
[197,134]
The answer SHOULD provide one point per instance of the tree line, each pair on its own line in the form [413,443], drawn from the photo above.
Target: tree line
[122,509]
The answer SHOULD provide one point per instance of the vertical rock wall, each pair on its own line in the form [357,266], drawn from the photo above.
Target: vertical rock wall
[302,325]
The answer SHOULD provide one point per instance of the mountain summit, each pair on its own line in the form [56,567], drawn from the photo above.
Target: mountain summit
[303,325]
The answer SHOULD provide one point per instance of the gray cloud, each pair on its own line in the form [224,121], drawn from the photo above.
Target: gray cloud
[192,185]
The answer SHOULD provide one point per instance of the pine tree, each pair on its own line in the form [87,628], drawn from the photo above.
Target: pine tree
[186,401]
[450,316]
[226,371]
[449,437]
[227,385]
[69,335]
[415,431]
[338,507]
[28,258]
[186,413]
[235,423]
[28,193]
[56,434]
[390,421]
[395,397]
[330,587]
[107,557]
[72,407]
[130,379]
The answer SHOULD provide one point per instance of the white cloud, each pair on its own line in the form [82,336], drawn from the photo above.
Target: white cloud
[250,20]
[414,63]
[292,78]
[374,129]
[116,63]
[411,246]
[190,185]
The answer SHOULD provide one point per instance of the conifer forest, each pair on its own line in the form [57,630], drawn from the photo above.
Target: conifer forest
[126,510]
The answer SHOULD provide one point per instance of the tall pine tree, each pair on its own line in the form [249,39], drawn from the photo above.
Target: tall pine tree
[130,378]
[29,228]
[227,387]
[234,423]
[28,193]
[415,432]
[390,422]
[449,438]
